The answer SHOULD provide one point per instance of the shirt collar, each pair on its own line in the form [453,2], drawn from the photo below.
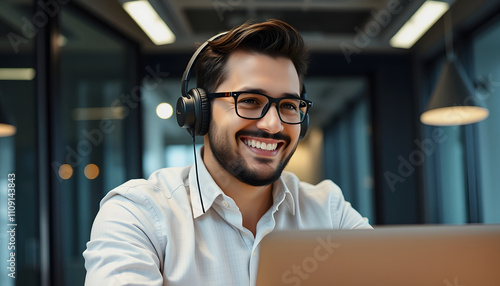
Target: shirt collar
[210,190]
[282,193]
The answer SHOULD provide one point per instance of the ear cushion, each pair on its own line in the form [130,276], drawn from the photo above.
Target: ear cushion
[201,116]
[204,112]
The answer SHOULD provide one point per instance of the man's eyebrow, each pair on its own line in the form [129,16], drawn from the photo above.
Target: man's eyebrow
[258,90]
[292,95]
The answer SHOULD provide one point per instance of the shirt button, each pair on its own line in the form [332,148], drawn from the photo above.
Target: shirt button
[226,204]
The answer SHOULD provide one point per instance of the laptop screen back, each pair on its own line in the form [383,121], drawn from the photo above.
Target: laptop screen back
[412,255]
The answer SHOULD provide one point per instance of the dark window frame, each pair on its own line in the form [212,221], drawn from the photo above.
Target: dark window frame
[47,98]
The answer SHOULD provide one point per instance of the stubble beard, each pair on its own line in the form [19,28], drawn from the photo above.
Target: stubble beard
[234,164]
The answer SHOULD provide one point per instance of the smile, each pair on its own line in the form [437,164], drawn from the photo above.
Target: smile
[261,145]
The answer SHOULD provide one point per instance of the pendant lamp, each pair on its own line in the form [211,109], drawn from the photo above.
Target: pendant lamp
[7,128]
[453,101]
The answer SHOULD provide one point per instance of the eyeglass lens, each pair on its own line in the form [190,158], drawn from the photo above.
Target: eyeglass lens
[254,106]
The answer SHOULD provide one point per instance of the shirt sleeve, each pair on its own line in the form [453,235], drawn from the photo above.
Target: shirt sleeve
[348,217]
[351,219]
[124,248]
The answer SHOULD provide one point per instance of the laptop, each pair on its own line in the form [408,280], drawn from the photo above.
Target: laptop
[422,255]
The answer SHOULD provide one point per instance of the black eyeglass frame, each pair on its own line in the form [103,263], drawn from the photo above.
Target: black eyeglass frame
[272,100]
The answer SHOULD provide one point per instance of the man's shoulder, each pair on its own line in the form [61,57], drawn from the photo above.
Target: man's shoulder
[293,183]
[162,183]
[321,195]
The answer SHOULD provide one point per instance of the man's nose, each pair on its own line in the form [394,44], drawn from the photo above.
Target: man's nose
[271,122]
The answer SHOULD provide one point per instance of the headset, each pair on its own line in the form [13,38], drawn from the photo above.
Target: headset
[193,107]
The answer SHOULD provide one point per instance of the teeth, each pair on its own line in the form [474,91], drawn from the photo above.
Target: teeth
[261,145]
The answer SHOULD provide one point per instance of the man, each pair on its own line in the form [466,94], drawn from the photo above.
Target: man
[155,231]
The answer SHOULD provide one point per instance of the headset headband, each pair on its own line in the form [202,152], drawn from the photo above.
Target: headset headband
[187,73]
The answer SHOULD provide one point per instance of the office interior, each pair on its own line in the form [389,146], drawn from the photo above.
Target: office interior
[89,106]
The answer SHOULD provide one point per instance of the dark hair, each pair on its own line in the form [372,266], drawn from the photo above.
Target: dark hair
[273,38]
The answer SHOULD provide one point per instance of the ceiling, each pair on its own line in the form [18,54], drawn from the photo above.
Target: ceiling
[325,24]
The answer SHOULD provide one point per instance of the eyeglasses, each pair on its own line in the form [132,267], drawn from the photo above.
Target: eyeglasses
[254,105]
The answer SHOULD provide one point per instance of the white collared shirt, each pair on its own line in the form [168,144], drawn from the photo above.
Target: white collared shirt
[154,232]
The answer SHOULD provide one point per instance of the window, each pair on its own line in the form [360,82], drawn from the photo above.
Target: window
[445,165]
[348,159]
[486,60]
[97,110]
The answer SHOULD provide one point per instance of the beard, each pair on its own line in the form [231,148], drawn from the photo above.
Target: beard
[234,164]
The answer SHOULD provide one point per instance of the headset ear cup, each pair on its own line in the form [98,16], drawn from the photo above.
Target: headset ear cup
[185,111]
[193,112]
[204,112]
[303,127]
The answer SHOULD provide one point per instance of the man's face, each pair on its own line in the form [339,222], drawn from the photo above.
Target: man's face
[234,141]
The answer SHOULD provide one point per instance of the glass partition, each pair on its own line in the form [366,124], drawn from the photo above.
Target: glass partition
[97,110]
[19,224]
[348,143]
[444,164]
[487,73]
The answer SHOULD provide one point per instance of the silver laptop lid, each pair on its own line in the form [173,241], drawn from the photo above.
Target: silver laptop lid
[411,255]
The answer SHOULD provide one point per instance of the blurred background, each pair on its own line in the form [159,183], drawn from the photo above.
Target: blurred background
[87,90]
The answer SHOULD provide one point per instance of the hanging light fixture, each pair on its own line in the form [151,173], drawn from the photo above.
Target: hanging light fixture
[7,128]
[453,101]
